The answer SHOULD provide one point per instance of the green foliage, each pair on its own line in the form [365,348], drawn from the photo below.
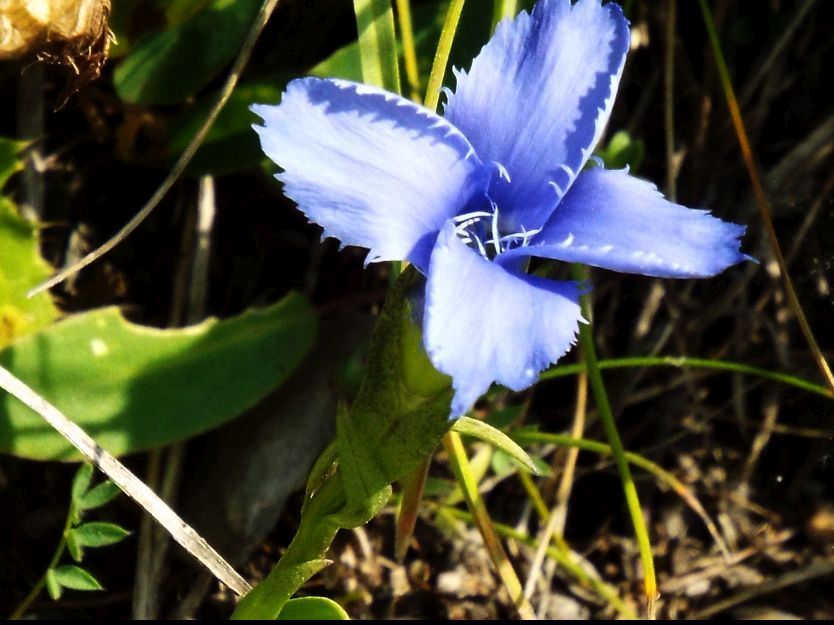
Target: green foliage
[170,66]
[377,43]
[623,150]
[133,387]
[496,438]
[21,266]
[312,609]
[78,535]
[230,145]
[392,427]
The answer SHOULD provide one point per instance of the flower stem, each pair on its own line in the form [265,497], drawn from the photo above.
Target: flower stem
[761,198]
[586,339]
[460,464]
[441,56]
[303,558]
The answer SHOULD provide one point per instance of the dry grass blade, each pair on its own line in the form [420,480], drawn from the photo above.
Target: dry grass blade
[806,573]
[761,198]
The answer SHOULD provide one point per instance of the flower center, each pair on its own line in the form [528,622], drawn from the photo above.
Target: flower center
[480,230]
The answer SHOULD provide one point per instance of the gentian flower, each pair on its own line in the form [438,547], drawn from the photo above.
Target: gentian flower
[469,197]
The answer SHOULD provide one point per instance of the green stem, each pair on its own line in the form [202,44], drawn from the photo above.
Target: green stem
[412,71]
[441,56]
[56,557]
[460,464]
[586,340]
[303,558]
[699,363]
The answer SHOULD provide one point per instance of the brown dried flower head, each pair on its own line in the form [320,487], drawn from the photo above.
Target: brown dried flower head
[72,33]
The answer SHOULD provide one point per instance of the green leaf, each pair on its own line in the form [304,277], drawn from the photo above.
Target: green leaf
[496,438]
[98,534]
[134,388]
[76,550]
[312,609]
[622,151]
[168,67]
[9,158]
[52,586]
[98,496]
[75,578]
[377,43]
[398,417]
[81,482]
[230,145]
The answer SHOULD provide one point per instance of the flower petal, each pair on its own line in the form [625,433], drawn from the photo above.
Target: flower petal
[537,98]
[483,323]
[371,168]
[612,220]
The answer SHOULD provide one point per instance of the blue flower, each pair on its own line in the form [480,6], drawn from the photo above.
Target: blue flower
[469,197]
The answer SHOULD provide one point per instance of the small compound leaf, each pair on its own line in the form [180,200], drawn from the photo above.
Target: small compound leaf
[98,534]
[81,482]
[98,496]
[496,438]
[75,578]
[312,609]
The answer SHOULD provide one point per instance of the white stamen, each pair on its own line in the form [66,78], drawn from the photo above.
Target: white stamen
[496,240]
[481,247]
[471,215]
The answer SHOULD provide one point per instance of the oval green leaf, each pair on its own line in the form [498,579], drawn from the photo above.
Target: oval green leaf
[98,496]
[134,388]
[312,609]
[98,534]
[496,438]
[74,577]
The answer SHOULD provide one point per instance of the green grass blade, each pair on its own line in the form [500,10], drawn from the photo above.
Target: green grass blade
[441,57]
[696,363]
[586,340]
[377,43]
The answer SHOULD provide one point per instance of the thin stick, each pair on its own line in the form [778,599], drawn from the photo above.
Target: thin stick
[556,519]
[132,486]
[761,198]
[182,162]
